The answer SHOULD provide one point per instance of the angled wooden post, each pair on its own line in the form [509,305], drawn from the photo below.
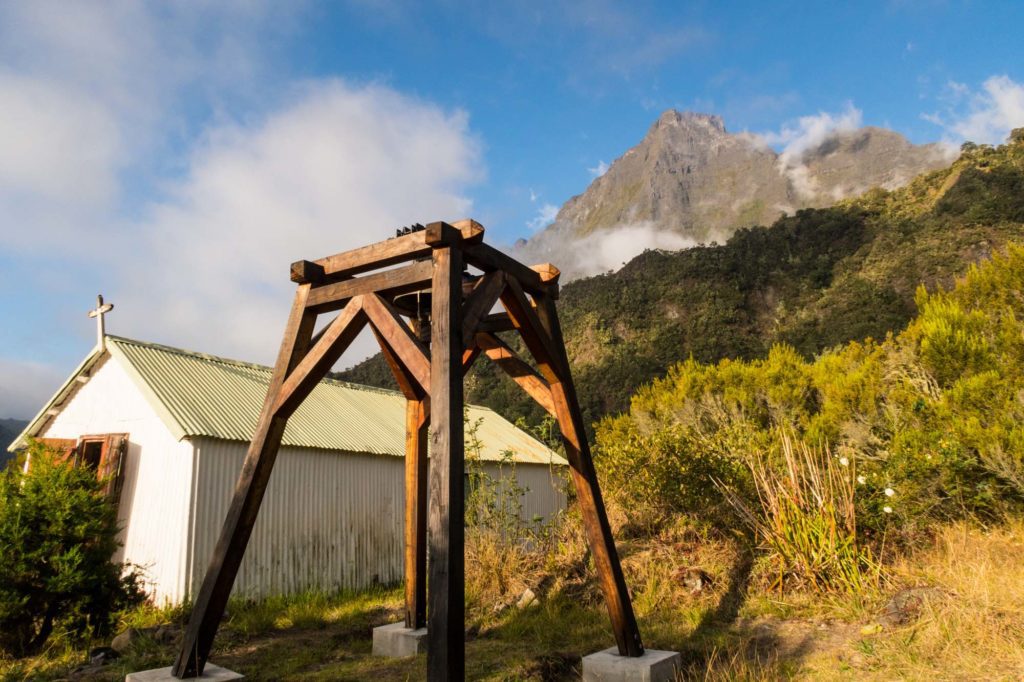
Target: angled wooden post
[252,483]
[446,587]
[595,518]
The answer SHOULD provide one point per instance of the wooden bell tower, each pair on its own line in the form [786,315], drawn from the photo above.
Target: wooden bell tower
[432,320]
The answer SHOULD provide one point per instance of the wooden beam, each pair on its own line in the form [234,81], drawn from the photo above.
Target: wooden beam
[479,303]
[417,421]
[389,252]
[528,379]
[399,338]
[441,234]
[208,608]
[307,272]
[495,323]
[337,336]
[408,385]
[549,274]
[534,335]
[595,518]
[469,356]
[446,649]
[389,282]
[489,259]
[472,231]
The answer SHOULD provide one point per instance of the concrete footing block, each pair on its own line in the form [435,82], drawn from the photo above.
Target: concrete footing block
[397,641]
[653,666]
[211,673]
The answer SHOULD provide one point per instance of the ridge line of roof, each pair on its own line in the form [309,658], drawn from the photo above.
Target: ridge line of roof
[248,365]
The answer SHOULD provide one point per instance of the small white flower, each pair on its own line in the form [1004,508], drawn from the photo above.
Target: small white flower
[845,462]
[889,492]
[887,510]
[861,480]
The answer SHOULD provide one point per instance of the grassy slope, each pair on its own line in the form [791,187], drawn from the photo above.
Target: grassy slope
[969,628]
[815,280]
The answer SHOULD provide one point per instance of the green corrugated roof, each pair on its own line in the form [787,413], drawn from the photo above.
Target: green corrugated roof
[204,395]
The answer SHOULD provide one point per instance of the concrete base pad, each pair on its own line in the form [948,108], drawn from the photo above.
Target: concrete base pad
[211,673]
[609,666]
[397,641]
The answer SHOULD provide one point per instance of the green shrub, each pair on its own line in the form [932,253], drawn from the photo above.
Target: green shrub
[934,416]
[57,536]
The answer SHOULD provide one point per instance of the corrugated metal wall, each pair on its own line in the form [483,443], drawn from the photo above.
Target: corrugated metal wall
[329,520]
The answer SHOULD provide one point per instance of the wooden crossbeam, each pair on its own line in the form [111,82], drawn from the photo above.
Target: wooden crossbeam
[401,280]
[496,323]
[400,339]
[489,259]
[528,379]
[337,336]
[380,255]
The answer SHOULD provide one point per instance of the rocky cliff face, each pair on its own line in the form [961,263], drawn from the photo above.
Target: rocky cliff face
[690,181]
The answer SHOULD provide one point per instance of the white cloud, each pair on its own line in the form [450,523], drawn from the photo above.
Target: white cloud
[985,117]
[92,92]
[600,251]
[545,216]
[806,133]
[111,181]
[600,169]
[340,167]
[26,387]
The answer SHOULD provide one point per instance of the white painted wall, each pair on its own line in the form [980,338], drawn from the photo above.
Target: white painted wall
[153,512]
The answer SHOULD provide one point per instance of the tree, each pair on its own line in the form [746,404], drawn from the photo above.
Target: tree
[58,533]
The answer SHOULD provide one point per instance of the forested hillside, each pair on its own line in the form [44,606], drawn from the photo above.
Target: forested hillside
[813,280]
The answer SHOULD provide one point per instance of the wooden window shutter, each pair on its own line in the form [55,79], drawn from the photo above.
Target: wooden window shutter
[111,469]
[67,447]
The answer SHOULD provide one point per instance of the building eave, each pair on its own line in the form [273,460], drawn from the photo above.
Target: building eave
[37,423]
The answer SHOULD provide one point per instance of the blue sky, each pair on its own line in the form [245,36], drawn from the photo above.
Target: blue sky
[176,157]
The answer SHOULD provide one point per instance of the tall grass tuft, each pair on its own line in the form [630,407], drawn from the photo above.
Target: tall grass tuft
[806,517]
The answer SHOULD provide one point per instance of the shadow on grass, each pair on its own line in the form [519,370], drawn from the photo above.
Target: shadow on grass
[721,648]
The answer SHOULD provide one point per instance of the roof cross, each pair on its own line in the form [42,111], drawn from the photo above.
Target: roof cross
[100,310]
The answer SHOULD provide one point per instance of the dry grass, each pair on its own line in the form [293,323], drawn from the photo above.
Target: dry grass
[973,626]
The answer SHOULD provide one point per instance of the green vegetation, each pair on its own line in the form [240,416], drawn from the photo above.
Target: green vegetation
[824,480]
[814,280]
[57,535]
[923,427]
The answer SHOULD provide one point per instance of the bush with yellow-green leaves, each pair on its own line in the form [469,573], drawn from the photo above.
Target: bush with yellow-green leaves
[929,423]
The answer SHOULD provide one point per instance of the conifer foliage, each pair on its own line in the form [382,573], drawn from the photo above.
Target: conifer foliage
[58,533]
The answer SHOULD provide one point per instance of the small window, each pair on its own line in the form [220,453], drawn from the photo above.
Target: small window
[91,454]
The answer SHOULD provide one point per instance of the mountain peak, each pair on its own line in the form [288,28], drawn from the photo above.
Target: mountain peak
[690,119]
[691,179]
